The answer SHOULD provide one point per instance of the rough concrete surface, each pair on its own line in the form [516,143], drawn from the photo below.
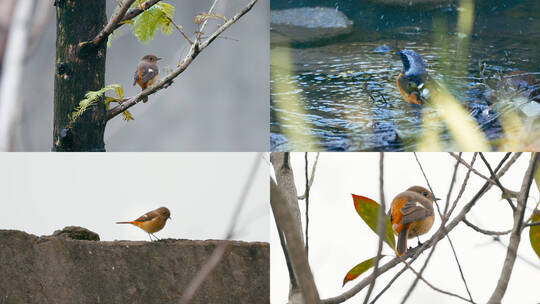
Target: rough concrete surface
[54,269]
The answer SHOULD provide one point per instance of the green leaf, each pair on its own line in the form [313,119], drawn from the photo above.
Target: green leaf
[534,232]
[127,116]
[155,18]
[358,270]
[368,210]
[90,99]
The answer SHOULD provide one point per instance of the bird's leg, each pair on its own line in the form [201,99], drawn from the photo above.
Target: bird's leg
[150,237]
[419,243]
[156,237]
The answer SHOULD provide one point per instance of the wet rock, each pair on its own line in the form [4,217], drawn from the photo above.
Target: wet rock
[63,270]
[308,25]
[520,83]
[77,233]
[382,49]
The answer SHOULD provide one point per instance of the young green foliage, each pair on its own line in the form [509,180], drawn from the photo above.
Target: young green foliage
[92,97]
[146,24]
[534,233]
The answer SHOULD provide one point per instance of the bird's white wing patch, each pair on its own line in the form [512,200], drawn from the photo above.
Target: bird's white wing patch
[420,205]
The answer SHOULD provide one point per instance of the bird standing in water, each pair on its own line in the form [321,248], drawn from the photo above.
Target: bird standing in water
[412,81]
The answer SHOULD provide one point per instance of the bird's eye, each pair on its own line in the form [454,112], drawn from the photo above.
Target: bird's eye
[425,194]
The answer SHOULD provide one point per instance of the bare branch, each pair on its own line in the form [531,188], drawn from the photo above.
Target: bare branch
[484,231]
[480,174]
[137,11]
[498,183]
[115,20]
[429,185]
[437,236]
[217,255]
[452,182]
[381,228]
[194,51]
[180,30]
[433,287]
[300,264]
[458,197]
[303,196]
[515,235]
[307,203]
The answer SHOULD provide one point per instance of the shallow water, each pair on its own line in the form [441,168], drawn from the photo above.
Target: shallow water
[346,94]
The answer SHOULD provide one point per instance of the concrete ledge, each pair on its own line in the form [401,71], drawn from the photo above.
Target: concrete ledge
[55,269]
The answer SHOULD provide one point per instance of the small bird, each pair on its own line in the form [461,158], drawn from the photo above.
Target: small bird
[411,214]
[412,81]
[152,221]
[147,72]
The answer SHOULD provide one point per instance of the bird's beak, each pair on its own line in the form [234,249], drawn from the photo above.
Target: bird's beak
[437,199]
[159,58]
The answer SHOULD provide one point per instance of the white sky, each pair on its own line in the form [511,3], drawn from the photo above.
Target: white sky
[44,192]
[339,239]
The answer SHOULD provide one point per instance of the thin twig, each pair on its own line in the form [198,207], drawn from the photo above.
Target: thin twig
[452,182]
[179,28]
[381,228]
[194,51]
[458,197]
[115,20]
[388,285]
[460,269]
[429,185]
[515,235]
[478,173]
[137,11]
[415,252]
[307,203]
[419,275]
[498,183]
[312,178]
[484,231]
[217,255]
[435,288]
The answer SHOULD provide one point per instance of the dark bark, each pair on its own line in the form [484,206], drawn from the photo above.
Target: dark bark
[80,67]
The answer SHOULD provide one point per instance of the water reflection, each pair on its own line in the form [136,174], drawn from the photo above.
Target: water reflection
[347,91]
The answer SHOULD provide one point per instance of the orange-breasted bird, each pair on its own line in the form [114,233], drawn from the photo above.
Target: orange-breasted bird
[411,214]
[147,72]
[412,81]
[152,221]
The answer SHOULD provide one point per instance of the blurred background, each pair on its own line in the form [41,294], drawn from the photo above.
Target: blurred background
[339,239]
[44,192]
[220,103]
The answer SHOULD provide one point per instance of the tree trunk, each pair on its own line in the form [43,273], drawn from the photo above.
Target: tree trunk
[79,68]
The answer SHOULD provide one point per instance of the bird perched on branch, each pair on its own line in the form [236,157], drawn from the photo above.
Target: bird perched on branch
[411,214]
[147,72]
[413,82]
[152,221]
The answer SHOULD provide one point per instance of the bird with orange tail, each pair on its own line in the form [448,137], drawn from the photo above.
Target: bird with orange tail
[152,221]
[147,72]
[414,81]
[411,214]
